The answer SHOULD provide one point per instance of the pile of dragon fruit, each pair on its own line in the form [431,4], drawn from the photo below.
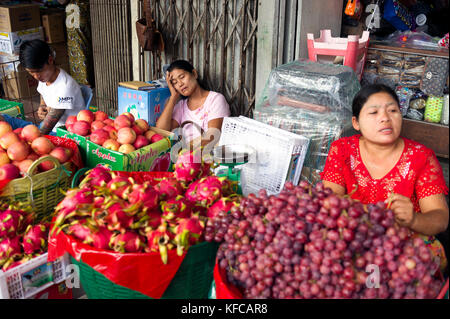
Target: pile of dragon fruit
[21,239]
[110,211]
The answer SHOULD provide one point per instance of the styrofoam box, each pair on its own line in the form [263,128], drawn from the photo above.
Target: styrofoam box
[32,277]
[279,154]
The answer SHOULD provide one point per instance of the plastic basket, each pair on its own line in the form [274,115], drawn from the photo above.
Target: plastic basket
[32,277]
[192,280]
[41,190]
[279,154]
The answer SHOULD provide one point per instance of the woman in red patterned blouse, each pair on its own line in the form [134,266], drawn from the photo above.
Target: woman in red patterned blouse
[379,165]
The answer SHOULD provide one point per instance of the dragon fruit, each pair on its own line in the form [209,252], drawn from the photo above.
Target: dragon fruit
[10,223]
[222,206]
[178,207]
[144,195]
[13,262]
[120,186]
[188,232]
[101,238]
[98,176]
[35,239]
[206,190]
[10,247]
[190,166]
[160,240]
[151,219]
[126,242]
[117,218]
[169,188]
[81,231]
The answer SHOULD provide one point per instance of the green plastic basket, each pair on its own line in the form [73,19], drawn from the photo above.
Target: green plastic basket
[12,108]
[192,280]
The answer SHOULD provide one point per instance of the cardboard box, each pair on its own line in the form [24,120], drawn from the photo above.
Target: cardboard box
[19,17]
[19,84]
[146,105]
[12,108]
[80,140]
[10,41]
[145,159]
[54,27]
[61,56]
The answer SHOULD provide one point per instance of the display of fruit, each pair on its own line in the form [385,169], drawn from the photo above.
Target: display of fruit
[307,242]
[114,212]
[21,236]
[19,150]
[123,130]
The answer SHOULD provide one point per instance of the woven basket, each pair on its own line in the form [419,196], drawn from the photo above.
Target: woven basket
[41,190]
[192,280]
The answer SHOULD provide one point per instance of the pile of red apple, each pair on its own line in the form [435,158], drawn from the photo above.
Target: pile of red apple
[19,148]
[123,134]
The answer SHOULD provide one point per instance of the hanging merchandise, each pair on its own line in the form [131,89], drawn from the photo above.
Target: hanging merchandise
[435,75]
[353,9]
[444,42]
[433,109]
[404,95]
[150,39]
[398,15]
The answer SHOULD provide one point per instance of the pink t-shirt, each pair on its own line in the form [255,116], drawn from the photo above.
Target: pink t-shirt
[215,106]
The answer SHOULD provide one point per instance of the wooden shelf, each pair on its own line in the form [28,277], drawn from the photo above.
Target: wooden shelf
[434,136]
[441,53]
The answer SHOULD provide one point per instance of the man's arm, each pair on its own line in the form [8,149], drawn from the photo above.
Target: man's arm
[51,119]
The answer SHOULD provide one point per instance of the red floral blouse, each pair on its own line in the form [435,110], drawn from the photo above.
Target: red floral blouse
[416,175]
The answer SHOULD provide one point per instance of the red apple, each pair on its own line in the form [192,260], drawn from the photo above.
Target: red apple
[86,115]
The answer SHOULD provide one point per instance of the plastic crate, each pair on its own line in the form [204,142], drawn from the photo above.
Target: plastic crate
[279,154]
[32,277]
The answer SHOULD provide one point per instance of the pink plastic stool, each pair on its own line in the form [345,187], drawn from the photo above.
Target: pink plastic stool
[353,49]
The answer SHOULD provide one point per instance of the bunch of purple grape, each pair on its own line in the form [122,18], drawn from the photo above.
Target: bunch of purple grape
[307,242]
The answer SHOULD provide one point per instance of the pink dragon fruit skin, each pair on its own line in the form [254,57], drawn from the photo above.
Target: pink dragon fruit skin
[159,240]
[145,195]
[7,266]
[223,205]
[98,176]
[205,191]
[80,231]
[120,186]
[189,166]
[117,218]
[35,239]
[101,239]
[154,219]
[188,232]
[75,197]
[126,242]
[178,207]
[10,247]
[10,223]
[169,188]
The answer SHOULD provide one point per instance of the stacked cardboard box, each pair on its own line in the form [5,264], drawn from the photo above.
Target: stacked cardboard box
[18,23]
[53,22]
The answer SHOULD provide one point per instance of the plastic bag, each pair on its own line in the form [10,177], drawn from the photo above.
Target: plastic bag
[404,95]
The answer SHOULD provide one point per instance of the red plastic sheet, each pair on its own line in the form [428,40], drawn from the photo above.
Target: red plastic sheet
[143,272]
[223,289]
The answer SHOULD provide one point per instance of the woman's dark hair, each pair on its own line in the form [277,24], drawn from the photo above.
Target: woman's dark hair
[186,66]
[34,54]
[366,92]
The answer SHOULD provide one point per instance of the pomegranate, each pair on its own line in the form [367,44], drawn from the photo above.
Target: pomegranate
[97,125]
[62,154]
[8,139]
[122,121]
[25,165]
[81,128]
[18,151]
[71,119]
[9,171]
[155,138]
[99,136]
[86,115]
[42,145]
[141,141]
[30,133]
[4,158]
[5,127]
[126,135]
[111,144]
[100,116]
[126,148]
[143,124]
[149,134]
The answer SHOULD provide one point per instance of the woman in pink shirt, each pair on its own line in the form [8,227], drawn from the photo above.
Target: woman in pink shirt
[197,111]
